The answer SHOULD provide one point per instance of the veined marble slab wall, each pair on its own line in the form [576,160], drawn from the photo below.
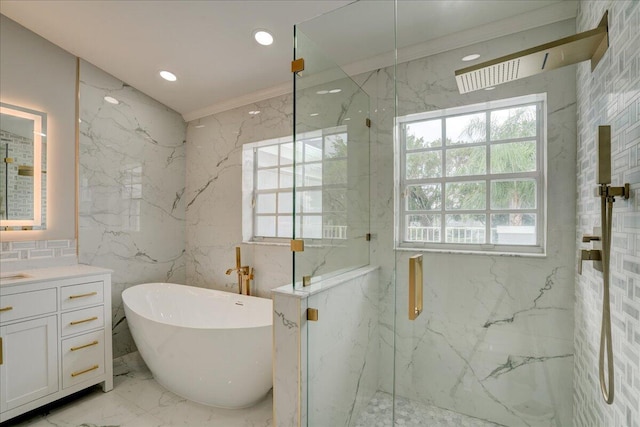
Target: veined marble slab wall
[610,95]
[213,197]
[339,351]
[495,339]
[131,207]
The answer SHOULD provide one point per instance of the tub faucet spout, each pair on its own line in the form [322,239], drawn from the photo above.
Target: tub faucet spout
[245,274]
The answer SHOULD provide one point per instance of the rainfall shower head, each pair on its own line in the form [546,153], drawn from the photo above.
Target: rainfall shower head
[569,50]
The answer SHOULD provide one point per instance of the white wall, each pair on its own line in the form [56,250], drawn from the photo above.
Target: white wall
[610,95]
[39,75]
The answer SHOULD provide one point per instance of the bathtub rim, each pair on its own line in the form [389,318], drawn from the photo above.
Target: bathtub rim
[164,322]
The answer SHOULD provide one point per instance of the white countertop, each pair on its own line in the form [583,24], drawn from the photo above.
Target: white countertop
[50,273]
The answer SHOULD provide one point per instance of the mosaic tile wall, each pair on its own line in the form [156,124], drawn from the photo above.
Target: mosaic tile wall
[610,96]
[36,254]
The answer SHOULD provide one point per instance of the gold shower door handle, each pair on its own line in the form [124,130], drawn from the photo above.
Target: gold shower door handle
[415,286]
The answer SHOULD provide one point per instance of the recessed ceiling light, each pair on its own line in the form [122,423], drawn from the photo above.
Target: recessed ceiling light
[347,118]
[471,57]
[263,37]
[111,100]
[490,88]
[322,92]
[169,76]
[314,114]
[198,126]
[335,90]
[253,113]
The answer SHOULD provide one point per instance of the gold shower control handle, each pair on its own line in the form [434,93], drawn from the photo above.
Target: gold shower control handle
[415,286]
[589,238]
[589,255]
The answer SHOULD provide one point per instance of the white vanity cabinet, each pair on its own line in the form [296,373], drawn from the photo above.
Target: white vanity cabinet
[55,336]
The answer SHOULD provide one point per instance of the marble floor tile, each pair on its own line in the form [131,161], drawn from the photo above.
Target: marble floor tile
[409,413]
[137,400]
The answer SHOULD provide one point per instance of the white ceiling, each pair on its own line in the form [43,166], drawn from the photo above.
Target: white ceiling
[209,44]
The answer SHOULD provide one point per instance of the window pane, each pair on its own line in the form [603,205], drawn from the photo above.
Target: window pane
[267,156]
[513,229]
[466,195]
[518,122]
[423,228]
[513,157]
[267,179]
[465,229]
[312,174]
[467,161]
[424,134]
[285,226]
[266,226]
[335,146]
[312,150]
[285,202]
[312,227]
[517,194]
[424,165]
[424,197]
[335,172]
[286,153]
[466,129]
[286,177]
[311,201]
[266,203]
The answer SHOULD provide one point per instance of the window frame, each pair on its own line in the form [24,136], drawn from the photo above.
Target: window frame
[250,193]
[402,183]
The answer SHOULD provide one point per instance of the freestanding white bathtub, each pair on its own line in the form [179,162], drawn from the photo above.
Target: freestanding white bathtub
[208,346]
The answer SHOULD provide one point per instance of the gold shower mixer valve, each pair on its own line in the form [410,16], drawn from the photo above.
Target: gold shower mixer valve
[609,191]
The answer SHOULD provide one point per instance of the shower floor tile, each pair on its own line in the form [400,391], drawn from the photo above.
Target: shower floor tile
[413,414]
[137,400]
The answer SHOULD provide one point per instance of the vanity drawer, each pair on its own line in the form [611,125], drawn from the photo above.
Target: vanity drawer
[74,322]
[26,304]
[85,294]
[82,358]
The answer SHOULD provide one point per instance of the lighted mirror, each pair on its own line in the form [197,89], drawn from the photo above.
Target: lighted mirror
[23,168]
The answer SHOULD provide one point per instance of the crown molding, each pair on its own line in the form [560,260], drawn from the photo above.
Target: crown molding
[558,12]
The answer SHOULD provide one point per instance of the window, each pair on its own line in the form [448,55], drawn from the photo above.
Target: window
[472,178]
[320,180]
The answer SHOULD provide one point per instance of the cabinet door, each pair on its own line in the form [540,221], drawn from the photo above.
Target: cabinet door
[29,367]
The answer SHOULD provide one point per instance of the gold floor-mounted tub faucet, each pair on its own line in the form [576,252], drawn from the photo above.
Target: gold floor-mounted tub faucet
[245,274]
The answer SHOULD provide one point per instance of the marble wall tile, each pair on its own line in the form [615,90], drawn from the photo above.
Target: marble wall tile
[610,95]
[131,207]
[214,189]
[326,372]
[482,346]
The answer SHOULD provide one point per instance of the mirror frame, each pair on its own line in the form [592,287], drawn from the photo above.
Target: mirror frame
[38,118]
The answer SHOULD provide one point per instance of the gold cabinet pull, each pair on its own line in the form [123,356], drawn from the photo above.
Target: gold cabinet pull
[93,368]
[90,319]
[80,347]
[415,286]
[8,308]
[90,294]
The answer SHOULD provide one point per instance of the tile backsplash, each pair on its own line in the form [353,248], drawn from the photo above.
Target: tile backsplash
[37,254]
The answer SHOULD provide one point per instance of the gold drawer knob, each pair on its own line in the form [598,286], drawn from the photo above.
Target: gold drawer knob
[93,368]
[9,308]
[90,319]
[80,347]
[90,294]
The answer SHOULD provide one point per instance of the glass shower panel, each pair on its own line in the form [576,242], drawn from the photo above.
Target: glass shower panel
[331,160]
[331,216]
